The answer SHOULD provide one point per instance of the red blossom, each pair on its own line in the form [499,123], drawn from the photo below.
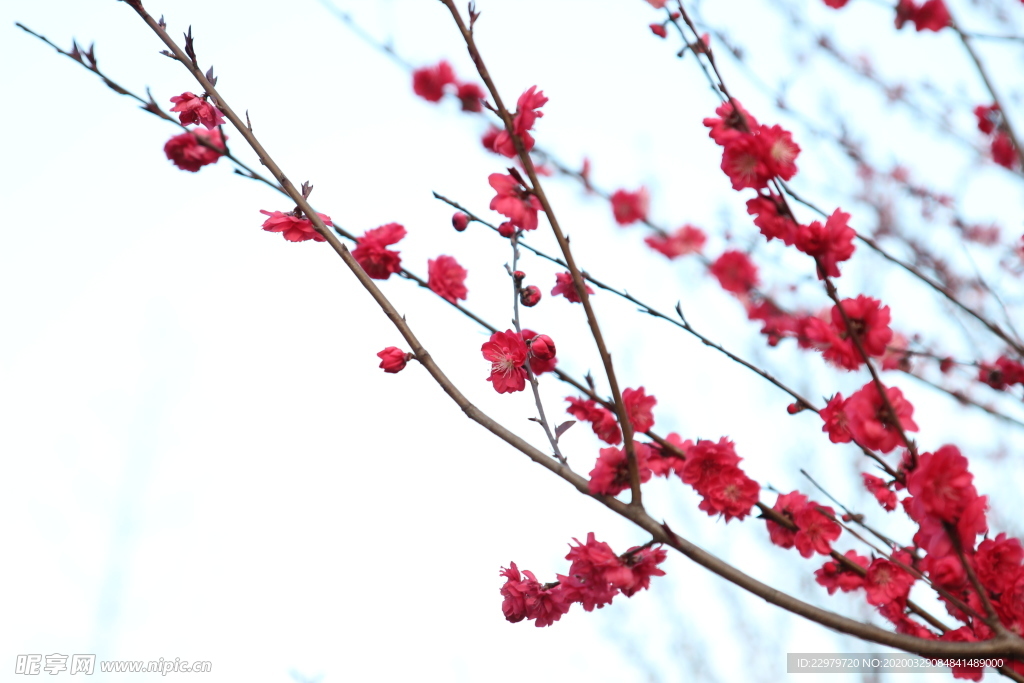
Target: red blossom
[565,286]
[193,109]
[686,240]
[787,505]
[447,278]
[735,271]
[730,123]
[514,201]
[428,82]
[530,296]
[610,475]
[836,424]
[830,244]
[638,408]
[886,582]
[781,151]
[885,496]
[870,320]
[711,469]
[1003,151]
[643,564]
[963,635]
[869,420]
[527,113]
[602,420]
[630,207]
[471,95]
[998,563]
[507,353]
[770,220]
[393,359]
[744,161]
[816,530]
[941,485]
[989,118]
[542,352]
[664,461]
[933,15]
[292,227]
[378,262]
[835,575]
[190,154]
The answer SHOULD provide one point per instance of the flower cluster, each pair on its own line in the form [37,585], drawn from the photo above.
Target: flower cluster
[712,469]
[1003,373]
[193,149]
[814,529]
[372,254]
[508,352]
[867,318]
[430,83]
[866,418]
[596,575]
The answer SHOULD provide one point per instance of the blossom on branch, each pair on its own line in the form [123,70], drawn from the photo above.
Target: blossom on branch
[610,475]
[293,226]
[835,575]
[393,359]
[379,262]
[514,201]
[630,207]
[602,420]
[195,110]
[686,240]
[527,113]
[830,244]
[188,152]
[447,278]
[507,354]
[429,82]
[565,286]
[735,272]
[870,422]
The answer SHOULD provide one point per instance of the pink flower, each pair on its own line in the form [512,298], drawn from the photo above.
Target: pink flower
[393,359]
[835,575]
[830,243]
[769,218]
[871,321]
[507,353]
[941,484]
[471,95]
[610,475]
[780,151]
[836,425]
[885,496]
[686,240]
[602,420]
[525,598]
[630,207]
[514,201]
[869,421]
[527,113]
[378,262]
[193,109]
[638,408]
[787,505]
[711,469]
[815,529]
[292,227]
[744,161]
[730,123]
[446,278]
[189,154]
[886,582]
[429,81]
[565,286]
[735,271]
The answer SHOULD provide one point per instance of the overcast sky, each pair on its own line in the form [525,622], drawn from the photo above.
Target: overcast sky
[201,458]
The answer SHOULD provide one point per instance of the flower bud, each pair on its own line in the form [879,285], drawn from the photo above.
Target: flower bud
[393,359]
[460,221]
[518,275]
[542,347]
[506,229]
[659,30]
[530,296]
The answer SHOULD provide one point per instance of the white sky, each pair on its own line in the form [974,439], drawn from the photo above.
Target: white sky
[201,458]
